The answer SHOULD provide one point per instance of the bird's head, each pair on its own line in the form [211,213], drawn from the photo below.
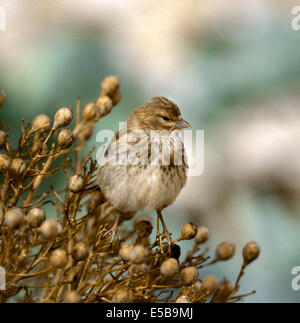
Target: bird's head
[157,114]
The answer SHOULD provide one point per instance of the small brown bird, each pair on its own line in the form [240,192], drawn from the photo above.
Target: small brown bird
[145,166]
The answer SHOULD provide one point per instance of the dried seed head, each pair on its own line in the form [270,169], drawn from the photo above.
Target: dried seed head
[124,252]
[76,183]
[3,138]
[189,275]
[2,98]
[14,217]
[225,250]
[104,106]
[58,258]
[250,252]
[86,133]
[65,138]
[123,295]
[49,228]
[183,299]
[4,162]
[138,254]
[35,217]
[41,122]
[72,297]
[62,118]
[110,85]
[188,231]
[202,234]
[89,112]
[143,226]
[17,166]
[80,251]
[210,283]
[169,268]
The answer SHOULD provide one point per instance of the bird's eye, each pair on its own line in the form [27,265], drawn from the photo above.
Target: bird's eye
[166,118]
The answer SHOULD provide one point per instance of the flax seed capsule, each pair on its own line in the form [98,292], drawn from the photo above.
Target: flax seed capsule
[58,258]
[188,231]
[169,268]
[35,217]
[250,252]
[225,250]
[202,234]
[62,118]
[65,138]
[14,217]
[189,275]
[124,252]
[41,122]
[76,183]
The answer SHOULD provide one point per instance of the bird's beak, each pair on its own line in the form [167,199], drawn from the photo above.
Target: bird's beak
[180,124]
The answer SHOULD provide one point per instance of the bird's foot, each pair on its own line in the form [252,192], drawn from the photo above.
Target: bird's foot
[114,232]
[159,239]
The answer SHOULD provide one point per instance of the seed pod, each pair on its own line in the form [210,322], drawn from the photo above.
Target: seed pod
[143,226]
[110,85]
[183,299]
[14,217]
[89,112]
[3,139]
[58,258]
[104,106]
[35,217]
[225,250]
[250,252]
[189,275]
[210,283]
[72,297]
[2,98]
[49,228]
[41,122]
[175,251]
[65,138]
[62,118]
[76,183]
[4,163]
[188,231]
[202,234]
[17,166]
[138,254]
[124,252]
[123,295]
[169,268]
[80,251]
[86,133]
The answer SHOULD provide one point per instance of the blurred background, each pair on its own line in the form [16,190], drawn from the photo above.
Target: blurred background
[233,68]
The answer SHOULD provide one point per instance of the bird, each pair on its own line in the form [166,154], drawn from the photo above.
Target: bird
[145,165]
